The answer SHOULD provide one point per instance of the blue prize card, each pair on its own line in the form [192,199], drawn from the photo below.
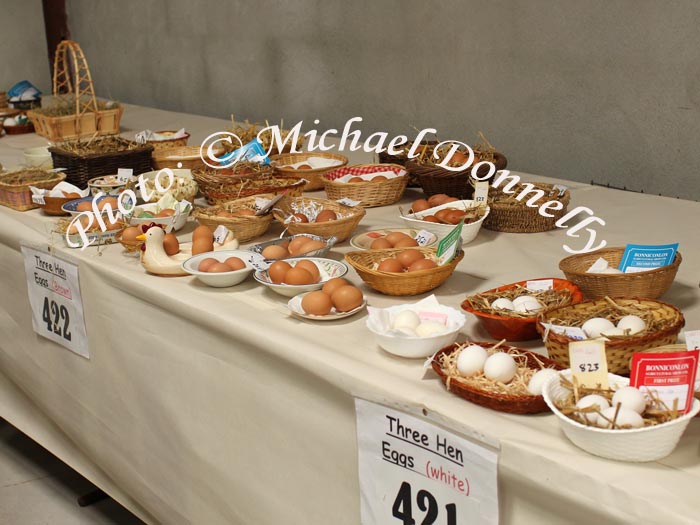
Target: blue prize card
[641,258]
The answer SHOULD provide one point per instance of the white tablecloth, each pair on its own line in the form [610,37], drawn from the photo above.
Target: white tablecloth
[204,405]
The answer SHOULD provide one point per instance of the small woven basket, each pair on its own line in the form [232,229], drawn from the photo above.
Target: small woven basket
[341,229]
[435,179]
[245,228]
[53,205]
[20,129]
[513,404]
[159,145]
[314,177]
[185,157]
[408,283]
[618,350]
[129,246]
[651,284]
[369,194]
[514,216]
[14,187]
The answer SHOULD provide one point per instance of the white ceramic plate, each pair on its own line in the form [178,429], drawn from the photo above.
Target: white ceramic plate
[295,308]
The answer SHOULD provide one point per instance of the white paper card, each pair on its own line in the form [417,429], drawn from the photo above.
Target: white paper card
[54,295]
[540,285]
[411,469]
[124,174]
[423,237]
[481,192]
[220,234]
[692,342]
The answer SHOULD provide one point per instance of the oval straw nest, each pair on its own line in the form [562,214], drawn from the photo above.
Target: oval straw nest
[550,299]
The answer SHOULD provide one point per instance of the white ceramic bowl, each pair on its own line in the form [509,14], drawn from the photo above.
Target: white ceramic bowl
[224,279]
[108,184]
[417,347]
[179,223]
[637,444]
[183,187]
[328,268]
[38,157]
[469,231]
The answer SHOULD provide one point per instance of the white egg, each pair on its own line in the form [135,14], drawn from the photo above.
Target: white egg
[630,398]
[407,331]
[430,328]
[625,418]
[632,323]
[527,303]
[500,367]
[9,121]
[538,380]
[406,318]
[502,304]
[471,360]
[590,400]
[593,327]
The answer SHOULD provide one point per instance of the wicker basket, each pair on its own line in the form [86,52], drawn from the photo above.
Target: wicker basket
[71,75]
[651,284]
[618,350]
[435,179]
[17,195]
[159,145]
[341,229]
[244,228]
[79,169]
[513,404]
[53,205]
[185,157]
[370,194]
[517,217]
[314,177]
[220,186]
[516,328]
[411,283]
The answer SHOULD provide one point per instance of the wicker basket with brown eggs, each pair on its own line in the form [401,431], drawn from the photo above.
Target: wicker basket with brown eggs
[321,217]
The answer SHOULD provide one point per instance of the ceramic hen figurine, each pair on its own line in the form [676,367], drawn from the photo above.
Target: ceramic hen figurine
[156,261]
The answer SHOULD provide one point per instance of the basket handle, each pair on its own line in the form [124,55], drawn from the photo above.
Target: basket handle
[71,74]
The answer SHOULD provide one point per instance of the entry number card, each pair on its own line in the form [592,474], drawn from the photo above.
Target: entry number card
[412,472]
[588,363]
[54,295]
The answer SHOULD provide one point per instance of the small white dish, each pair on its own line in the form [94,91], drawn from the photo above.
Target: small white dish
[223,279]
[295,308]
[328,268]
[179,220]
[469,231]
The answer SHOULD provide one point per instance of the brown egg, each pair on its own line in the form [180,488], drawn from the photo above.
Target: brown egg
[202,246]
[111,227]
[326,215]
[422,264]
[455,216]
[275,252]
[356,179]
[300,217]
[297,243]
[225,213]
[379,178]
[84,206]
[205,264]
[450,199]
[346,298]
[298,276]
[406,243]
[390,265]
[171,245]
[431,218]
[310,267]
[278,270]
[437,199]
[395,237]
[408,257]
[332,285]
[219,267]
[235,263]
[316,303]
[168,212]
[380,244]
[419,205]
[108,200]
[442,214]
[284,244]
[71,195]
[304,167]
[73,228]
[130,233]
[311,246]
[243,213]
[202,232]
[459,159]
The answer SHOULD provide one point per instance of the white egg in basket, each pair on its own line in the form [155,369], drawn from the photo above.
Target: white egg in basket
[328,269]
[635,444]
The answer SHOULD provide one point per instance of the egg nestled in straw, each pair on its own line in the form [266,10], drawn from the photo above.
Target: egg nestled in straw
[500,367]
[471,360]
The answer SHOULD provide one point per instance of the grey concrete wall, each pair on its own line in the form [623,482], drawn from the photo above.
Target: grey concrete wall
[23,53]
[604,90]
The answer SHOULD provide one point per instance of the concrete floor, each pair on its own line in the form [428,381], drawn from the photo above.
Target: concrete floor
[37,488]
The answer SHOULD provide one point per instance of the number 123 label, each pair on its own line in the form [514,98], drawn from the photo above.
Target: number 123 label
[54,295]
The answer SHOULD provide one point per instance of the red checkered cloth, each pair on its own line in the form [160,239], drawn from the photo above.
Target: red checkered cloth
[362,170]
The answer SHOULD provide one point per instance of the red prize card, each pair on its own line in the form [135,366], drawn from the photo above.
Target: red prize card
[670,375]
